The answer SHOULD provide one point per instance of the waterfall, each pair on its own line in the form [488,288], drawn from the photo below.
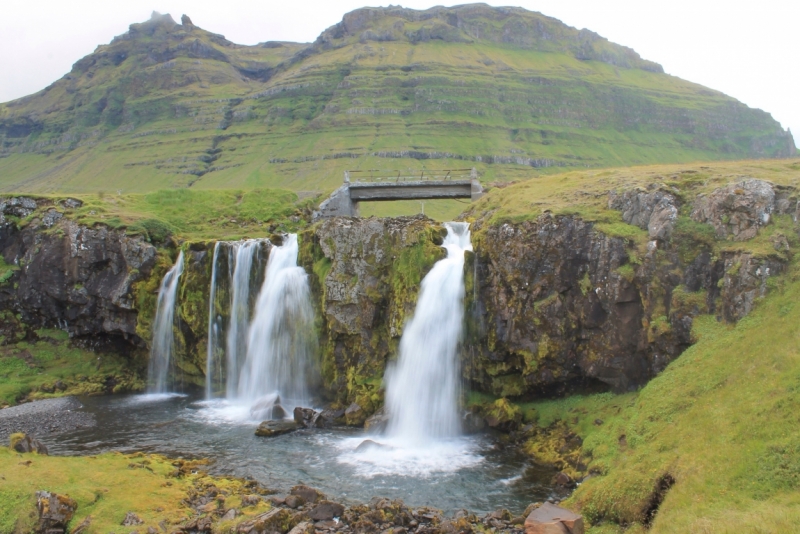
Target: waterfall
[163,337]
[212,359]
[281,338]
[241,257]
[422,389]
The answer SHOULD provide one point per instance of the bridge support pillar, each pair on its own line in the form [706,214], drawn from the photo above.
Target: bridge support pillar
[339,204]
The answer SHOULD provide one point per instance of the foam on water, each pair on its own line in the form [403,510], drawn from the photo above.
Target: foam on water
[396,457]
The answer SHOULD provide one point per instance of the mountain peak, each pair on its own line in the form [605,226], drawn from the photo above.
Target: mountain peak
[470,23]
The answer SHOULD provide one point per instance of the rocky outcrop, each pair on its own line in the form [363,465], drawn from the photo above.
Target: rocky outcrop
[737,211]
[55,512]
[366,276]
[655,210]
[68,276]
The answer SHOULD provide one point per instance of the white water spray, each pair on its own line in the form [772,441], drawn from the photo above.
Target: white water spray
[281,340]
[163,337]
[422,390]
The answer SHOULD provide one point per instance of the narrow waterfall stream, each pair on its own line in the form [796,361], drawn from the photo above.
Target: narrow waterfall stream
[161,361]
[422,390]
[213,363]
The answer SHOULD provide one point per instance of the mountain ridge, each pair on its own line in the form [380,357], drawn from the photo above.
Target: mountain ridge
[513,92]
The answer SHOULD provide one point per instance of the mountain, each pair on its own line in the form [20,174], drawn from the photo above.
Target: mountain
[512,92]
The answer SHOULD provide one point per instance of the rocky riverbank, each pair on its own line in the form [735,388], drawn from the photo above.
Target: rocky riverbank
[44,418]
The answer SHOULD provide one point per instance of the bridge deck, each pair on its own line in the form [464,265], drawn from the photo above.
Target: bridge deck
[364,191]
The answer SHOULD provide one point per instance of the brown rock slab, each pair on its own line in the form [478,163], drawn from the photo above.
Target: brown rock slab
[552,519]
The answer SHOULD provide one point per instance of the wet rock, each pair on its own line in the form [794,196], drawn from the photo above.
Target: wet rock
[325,511]
[270,429]
[276,500]
[55,512]
[276,520]
[377,422]
[310,495]
[307,417]
[473,423]
[334,417]
[131,520]
[563,481]
[551,519]
[23,443]
[294,501]
[355,415]
[738,210]
[368,444]
[268,407]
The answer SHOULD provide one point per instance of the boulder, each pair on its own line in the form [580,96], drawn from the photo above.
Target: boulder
[270,429]
[326,510]
[333,417]
[368,444]
[23,443]
[55,512]
[268,407]
[307,417]
[377,422]
[310,495]
[655,211]
[551,519]
[738,210]
[355,415]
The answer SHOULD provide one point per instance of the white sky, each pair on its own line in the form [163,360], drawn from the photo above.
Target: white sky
[748,50]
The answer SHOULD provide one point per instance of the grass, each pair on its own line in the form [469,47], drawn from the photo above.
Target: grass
[108,486]
[51,366]
[722,420]
[193,215]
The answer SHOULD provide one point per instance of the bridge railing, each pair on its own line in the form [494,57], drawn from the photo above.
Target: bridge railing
[381,176]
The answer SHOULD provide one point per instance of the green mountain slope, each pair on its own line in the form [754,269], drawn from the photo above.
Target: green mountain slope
[509,91]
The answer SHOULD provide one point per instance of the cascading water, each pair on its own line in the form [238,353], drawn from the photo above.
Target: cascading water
[422,390]
[213,362]
[281,337]
[236,337]
[163,338]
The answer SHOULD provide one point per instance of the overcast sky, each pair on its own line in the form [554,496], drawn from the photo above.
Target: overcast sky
[748,50]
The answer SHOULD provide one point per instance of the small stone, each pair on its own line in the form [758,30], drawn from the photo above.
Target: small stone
[131,520]
[598,422]
[250,500]
[230,515]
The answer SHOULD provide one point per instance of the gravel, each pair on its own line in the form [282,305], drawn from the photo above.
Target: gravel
[44,418]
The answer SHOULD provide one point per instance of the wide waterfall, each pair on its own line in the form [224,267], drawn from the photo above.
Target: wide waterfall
[281,339]
[235,268]
[163,338]
[422,390]
[236,338]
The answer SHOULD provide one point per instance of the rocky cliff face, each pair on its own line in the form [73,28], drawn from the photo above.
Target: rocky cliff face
[63,275]
[553,303]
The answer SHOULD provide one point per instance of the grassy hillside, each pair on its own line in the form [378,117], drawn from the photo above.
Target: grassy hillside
[514,93]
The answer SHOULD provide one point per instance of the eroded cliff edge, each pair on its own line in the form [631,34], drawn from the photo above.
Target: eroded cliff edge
[554,302]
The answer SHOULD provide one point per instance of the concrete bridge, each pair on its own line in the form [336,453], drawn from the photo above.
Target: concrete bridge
[444,184]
